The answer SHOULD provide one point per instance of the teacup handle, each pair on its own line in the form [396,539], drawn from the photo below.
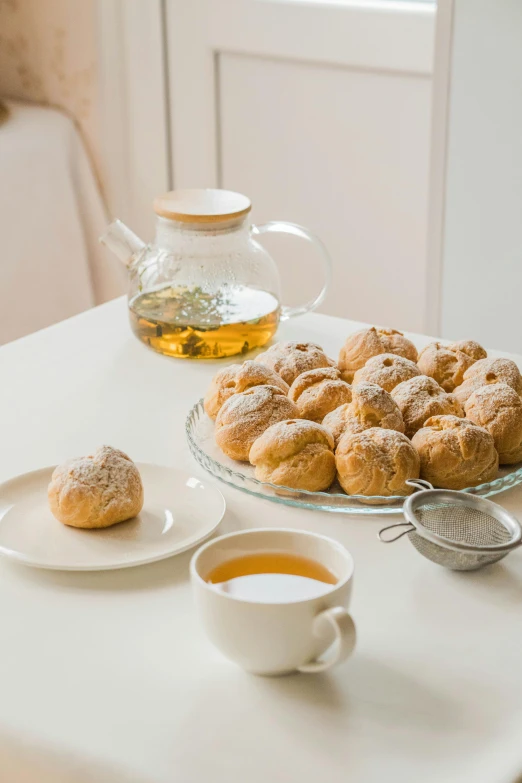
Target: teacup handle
[282,227]
[344,643]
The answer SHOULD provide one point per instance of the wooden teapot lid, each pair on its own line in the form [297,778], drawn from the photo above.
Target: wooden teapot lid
[206,205]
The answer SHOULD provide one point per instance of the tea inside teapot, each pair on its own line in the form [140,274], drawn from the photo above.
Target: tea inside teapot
[194,323]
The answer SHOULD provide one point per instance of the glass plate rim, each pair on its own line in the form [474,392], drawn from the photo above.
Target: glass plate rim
[374,504]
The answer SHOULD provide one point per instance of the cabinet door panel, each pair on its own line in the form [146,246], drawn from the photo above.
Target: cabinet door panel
[346,153]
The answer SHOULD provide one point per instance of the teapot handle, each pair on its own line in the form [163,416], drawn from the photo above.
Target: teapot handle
[282,227]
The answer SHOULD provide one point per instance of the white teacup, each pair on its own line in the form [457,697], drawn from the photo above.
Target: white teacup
[277,638]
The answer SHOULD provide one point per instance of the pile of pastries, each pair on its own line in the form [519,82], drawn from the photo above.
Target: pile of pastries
[381,415]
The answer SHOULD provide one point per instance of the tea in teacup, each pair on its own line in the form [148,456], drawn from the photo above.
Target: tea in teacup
[272,577]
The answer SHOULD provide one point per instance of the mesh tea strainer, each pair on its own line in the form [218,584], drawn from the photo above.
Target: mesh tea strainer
[455,529]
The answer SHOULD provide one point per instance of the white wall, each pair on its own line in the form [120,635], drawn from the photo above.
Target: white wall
[482,258]
[346,153]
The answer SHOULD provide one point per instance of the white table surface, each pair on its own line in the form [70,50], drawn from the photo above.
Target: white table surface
[108,676]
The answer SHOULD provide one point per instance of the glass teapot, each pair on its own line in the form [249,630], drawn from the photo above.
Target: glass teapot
[205,288]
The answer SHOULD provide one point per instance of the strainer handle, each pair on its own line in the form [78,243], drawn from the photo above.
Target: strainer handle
[419,484]
[385,540]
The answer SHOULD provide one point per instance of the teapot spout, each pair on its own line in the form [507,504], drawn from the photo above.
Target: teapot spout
[122,241]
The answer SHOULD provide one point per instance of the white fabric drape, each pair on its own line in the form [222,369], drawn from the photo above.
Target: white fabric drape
[51,214]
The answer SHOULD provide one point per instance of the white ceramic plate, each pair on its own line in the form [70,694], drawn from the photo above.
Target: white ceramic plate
[179,512]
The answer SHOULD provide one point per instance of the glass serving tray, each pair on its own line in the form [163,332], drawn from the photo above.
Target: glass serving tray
[200,435]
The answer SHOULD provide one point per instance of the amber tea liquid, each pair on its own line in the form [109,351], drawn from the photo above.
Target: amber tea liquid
[192,324]
[272,577]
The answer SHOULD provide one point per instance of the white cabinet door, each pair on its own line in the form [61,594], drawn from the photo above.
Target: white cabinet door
[320,112]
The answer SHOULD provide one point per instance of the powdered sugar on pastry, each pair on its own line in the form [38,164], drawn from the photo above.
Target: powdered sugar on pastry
[371,406]
[317,392]
[420,398]
[362,345]
[447,364]
[237,378]
[96,491]
[387,370]
[455,453]
[471,348]
[376,462]
[498,408]
[291,359]
[295,453]
[487,372]
[245,416]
